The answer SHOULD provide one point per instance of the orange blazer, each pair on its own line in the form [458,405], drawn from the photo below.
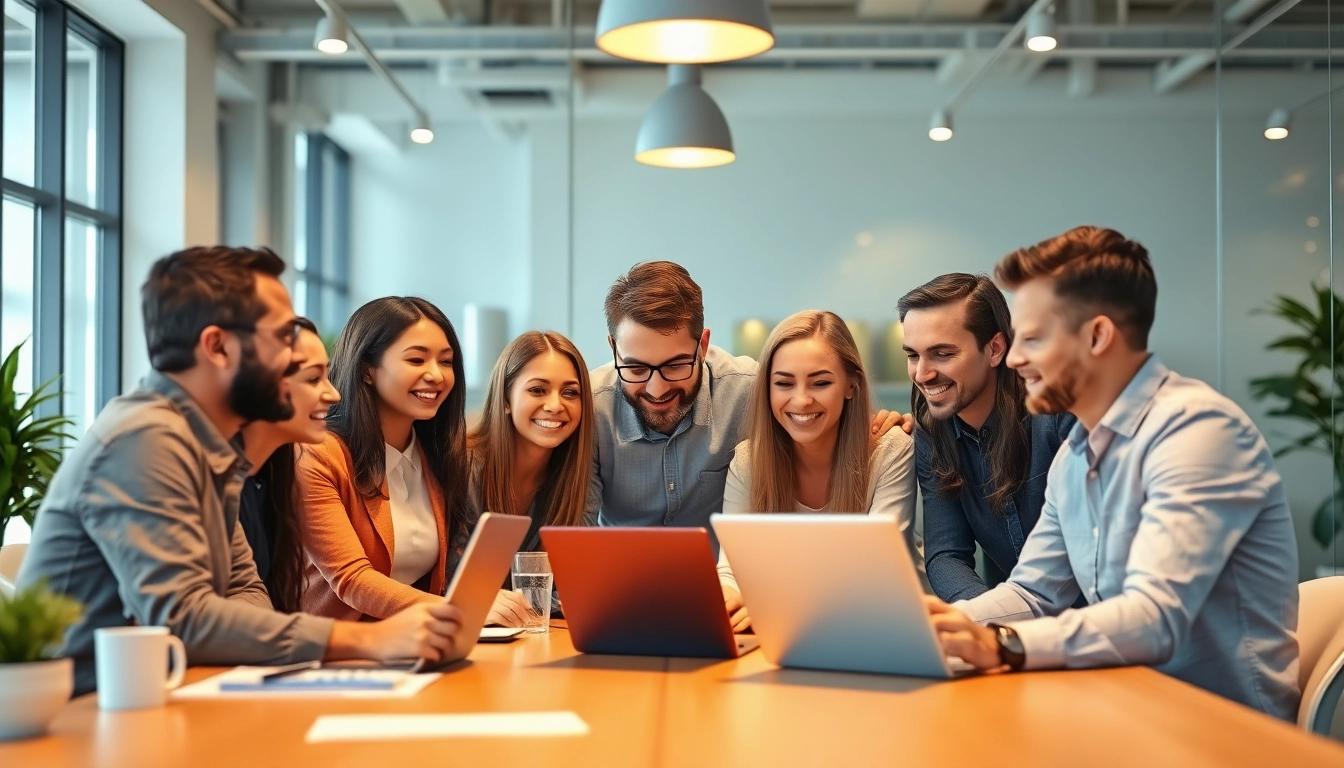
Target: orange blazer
[348,539]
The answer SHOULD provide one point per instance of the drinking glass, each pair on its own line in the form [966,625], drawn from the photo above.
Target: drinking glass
[532,579]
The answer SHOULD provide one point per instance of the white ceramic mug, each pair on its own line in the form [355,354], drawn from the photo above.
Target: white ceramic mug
[132,673]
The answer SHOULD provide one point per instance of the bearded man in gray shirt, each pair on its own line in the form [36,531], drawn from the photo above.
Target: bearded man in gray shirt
[140,523]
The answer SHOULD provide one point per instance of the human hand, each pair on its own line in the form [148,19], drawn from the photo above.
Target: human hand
[737,610]
[509,609]
[884,421]
[962,637]
[424,631]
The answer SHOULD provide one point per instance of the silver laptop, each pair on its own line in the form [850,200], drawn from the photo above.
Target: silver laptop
[833,592]
[484,566]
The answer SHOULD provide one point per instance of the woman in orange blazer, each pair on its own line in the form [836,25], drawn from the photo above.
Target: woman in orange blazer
[384,508]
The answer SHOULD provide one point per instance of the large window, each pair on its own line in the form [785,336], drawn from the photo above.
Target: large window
[322,232]
[60,149]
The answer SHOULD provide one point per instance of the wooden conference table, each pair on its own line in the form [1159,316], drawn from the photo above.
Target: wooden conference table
[685,712]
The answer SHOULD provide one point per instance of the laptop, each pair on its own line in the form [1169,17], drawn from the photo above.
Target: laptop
[836,592]
[642,592]
[485,563]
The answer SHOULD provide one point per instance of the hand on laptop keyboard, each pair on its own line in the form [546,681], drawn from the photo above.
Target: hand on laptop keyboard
[737,611]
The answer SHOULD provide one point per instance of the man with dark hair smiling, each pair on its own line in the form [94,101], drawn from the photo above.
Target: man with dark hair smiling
[140,523]
[1163,510]
[980,456]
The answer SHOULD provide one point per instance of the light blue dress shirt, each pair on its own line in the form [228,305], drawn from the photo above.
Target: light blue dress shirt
[645,478]
[1170,518]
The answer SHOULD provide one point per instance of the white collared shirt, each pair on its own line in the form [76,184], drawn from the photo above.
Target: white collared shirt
[415,535]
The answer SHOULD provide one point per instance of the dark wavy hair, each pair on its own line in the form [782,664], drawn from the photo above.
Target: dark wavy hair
[281,498]
[355,419]
[1008,447]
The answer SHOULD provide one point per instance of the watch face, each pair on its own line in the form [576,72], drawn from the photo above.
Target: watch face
[1010,640]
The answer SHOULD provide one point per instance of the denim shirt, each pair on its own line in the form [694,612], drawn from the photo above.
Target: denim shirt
[953,526]
[645,478]
[1170,518]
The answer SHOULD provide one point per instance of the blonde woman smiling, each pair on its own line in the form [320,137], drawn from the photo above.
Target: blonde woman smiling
[809,446]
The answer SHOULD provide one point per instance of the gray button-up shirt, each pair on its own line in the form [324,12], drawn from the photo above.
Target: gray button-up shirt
[140,524]
[645,478]
[1170,518]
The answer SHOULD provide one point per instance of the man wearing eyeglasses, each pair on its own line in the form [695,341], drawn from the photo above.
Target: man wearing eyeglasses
[669,408]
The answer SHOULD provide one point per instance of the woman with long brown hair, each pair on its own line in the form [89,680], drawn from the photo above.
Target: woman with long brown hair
[384,508]
[532,453]
[810,448]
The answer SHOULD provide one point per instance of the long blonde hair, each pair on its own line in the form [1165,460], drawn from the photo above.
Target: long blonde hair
[773,479]
[564,492]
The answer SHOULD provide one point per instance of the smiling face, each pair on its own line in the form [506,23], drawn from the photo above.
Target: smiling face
[545,402]
[808,389]
[944,361]
[660,404]
[1049,353]
[415,374]
[311,392]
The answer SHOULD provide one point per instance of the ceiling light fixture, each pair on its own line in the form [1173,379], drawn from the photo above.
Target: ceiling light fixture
[1277,127]
[940,127]
[684,128]
[1042,31]
[684,31]
[335,25]
[421,133]
[332,34]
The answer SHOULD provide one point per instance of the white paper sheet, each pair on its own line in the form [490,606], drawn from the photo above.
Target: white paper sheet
[487,724]
[209,688]
[500,633]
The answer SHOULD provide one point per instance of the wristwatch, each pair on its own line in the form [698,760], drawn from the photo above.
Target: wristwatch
[1010,646]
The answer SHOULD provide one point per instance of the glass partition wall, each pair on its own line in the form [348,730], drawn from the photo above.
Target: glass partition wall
[842,197]
[1279,308]
[1150,118]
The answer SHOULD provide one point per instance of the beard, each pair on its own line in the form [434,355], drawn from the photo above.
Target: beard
[255,393]
[1058,397]
[965,396]
[663,421]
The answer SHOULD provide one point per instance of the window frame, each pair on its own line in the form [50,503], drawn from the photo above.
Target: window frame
[48,197]
[311,249]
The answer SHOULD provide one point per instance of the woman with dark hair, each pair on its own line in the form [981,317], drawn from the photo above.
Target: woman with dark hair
[267,507]
[385,512]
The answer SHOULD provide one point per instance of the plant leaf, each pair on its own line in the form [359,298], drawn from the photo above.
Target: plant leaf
[1328,521]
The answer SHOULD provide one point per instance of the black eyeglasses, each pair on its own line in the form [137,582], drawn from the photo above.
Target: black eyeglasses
[287,333]
[638,374]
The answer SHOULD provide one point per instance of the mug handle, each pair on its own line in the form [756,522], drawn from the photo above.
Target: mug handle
[178,652]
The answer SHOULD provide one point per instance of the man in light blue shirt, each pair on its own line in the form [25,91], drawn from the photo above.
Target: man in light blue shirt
[1163,509]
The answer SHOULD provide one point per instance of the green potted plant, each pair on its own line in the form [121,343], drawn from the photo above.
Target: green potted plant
[33,685]
[1310,394]
[30,447]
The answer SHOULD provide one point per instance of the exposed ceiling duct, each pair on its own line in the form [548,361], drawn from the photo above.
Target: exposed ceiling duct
[821,45]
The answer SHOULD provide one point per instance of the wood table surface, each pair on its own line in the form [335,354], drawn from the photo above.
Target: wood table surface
[652,711]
